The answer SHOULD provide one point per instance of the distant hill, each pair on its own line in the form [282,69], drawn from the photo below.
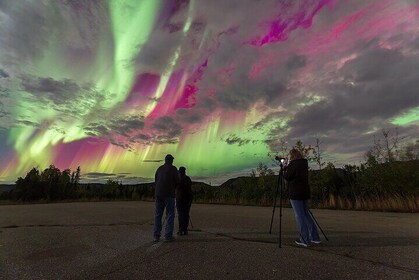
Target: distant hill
[6,188]
[240,181]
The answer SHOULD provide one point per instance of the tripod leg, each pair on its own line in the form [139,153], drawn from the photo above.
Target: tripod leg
[190,221]
[318,224]
[273,208]
[280,208]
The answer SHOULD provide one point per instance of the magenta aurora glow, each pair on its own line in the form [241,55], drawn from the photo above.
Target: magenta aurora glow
[112,86]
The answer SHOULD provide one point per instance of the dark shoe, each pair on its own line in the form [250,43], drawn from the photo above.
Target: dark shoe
[169,239]
[316,241]
[298,242]
[185,232]
[180,233]
[156,239]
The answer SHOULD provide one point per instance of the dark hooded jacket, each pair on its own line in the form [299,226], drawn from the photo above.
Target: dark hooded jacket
[184,191]
[296,175]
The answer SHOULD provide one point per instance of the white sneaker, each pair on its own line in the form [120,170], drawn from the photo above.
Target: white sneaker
[298,242]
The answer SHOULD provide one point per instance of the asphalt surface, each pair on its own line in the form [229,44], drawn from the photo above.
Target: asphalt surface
[113,240]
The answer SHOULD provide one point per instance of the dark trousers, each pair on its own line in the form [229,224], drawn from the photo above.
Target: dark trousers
[183,207]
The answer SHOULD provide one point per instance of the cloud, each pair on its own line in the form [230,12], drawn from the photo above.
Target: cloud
[158,52]
[29,28]
[152,160]
[415,43]
[125,131]
[296,62]
[3,74]
[365,93]
[204,107]
[49,89]
[98,175]
[274,116]
[101,177]
[121,130]
[19,22]
[236,140]
[165,130]
[27,123]
[242,92]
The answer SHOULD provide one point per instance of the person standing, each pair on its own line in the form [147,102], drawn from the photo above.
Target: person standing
[167,180]
[183,201]
[296,173]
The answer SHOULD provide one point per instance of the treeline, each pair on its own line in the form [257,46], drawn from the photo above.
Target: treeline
[373,186]
[50,184]
[390,186]
[387,180]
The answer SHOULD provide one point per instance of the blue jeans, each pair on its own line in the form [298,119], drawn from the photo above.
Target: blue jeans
[306,226]
[169,204]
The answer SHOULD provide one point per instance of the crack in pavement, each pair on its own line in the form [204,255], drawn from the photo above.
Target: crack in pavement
[396,267]
[75,225]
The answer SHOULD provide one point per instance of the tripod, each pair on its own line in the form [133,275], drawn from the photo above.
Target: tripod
[278,187]
[317,223]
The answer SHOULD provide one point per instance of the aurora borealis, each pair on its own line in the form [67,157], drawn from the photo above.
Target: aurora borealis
[112,86]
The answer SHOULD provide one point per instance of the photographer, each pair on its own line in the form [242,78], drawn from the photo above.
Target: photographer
[296,173]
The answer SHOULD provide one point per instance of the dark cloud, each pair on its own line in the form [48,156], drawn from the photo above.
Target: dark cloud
[268,119]
[243,81]
[204,107]
[155,99]
[57,91]
[296,61]
[120,130]
[3,74]
[244,93]
[165,130]
[189,115]
[98,174]
[158,52]
[366,93]
[236,140]
[73,26]
[415,43]
[121,144]
[3,111]
[27,20]
[142,137]
[152,160]
[99,177]
[125,126]
[27,123]
[96,129]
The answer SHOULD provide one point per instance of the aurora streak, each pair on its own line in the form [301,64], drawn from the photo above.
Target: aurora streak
[112,85]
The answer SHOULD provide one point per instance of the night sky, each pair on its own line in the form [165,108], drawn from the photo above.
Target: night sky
[113,86]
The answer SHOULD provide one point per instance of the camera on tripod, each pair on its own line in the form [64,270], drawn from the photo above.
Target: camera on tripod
[282,160]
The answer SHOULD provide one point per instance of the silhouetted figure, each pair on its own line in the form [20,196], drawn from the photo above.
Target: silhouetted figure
[183,201]
[167,180]
[296,173]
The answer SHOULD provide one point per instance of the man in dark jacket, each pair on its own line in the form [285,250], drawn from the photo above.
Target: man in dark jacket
[167,180]
[296,173]
[183,201]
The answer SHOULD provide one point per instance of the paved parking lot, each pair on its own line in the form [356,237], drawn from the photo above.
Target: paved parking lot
[113,240]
